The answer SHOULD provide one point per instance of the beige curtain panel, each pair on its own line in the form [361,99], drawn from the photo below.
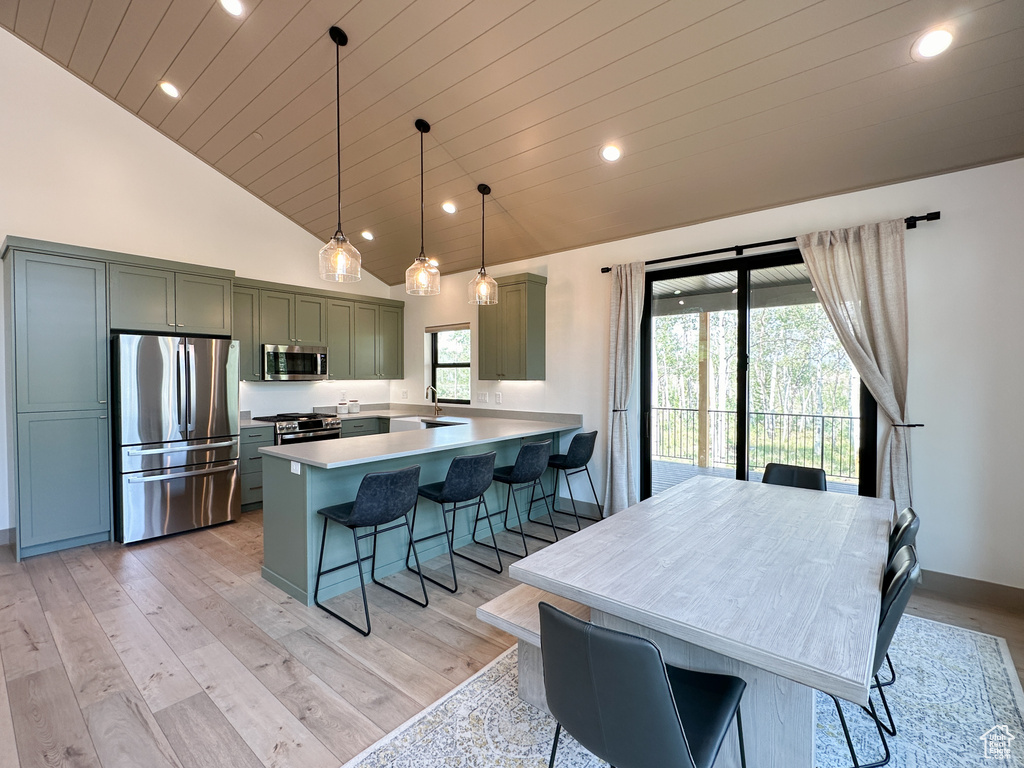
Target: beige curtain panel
[627,310]
[860,277]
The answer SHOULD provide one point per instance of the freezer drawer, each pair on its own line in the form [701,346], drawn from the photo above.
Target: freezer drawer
[160,502]
[181,453]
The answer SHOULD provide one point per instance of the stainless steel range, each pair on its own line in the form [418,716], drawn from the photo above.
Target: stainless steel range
[302,427]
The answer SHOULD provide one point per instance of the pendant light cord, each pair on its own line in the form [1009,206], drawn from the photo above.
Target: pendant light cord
[337,104]
[483,203]
[422,255]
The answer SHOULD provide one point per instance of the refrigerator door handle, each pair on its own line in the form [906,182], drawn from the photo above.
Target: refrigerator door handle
[176,475]
[182,392]
[191,388]
[155,451]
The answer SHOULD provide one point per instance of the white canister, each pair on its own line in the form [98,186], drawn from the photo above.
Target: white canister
[353,406]
[343,407]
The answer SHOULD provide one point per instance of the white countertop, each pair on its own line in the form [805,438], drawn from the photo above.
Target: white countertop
[329,454]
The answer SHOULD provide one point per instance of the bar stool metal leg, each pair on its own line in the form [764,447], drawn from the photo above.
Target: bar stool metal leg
[533,500]
[476,522]
[362,583]
[418,571]
[449,538]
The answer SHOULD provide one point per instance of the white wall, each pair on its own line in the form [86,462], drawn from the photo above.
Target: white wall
[76,168]
[964,276]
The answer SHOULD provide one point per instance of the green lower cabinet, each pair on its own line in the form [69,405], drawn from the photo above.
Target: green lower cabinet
[367,426]
[63,480]
[250,463]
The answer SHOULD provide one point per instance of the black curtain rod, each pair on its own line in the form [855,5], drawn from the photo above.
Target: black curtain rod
[910,221]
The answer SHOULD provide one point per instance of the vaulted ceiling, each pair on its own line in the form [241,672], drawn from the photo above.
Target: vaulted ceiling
[719,106]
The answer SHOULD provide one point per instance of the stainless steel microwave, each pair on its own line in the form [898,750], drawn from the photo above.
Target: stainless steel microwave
[283,363]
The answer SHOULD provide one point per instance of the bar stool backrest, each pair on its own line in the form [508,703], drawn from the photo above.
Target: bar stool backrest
[902,575]
[531,462]
[468,477]
[385,496]
[904,532]
[581,449]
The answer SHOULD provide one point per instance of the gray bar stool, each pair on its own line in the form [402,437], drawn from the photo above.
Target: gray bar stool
[530,465]
[573,462]
[382,498]
[463,487]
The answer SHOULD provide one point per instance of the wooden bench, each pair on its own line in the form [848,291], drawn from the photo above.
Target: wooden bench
[516,612]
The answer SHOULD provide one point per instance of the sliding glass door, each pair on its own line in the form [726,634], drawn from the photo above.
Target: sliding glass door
[741,367]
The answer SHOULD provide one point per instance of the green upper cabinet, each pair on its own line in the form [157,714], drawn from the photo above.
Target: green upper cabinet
[165,301]
[60,333]
[340,346]
[245,310]
[202,304]
[288,319]
[511,337]
[378,344]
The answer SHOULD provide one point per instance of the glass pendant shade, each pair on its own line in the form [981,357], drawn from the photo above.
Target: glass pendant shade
[483,289]
[340,261]
[422,278]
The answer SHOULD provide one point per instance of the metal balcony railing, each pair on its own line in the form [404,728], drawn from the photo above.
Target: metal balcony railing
[810,440]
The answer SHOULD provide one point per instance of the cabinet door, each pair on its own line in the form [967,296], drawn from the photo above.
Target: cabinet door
[60,333]
[340,329]
[512,300]
[489,341]
[364,357]
[310,320]
[245,312]
[63,477]
[390,330]
[277,313]
[141,299]
[202,304]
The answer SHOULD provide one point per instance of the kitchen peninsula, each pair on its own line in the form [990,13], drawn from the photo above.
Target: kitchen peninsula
[302,478]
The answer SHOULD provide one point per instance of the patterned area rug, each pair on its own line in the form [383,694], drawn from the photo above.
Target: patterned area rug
[957,702]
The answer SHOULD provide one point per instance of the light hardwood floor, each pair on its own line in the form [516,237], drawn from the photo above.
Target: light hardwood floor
[176,653]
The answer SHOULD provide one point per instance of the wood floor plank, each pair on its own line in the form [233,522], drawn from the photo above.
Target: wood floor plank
[120,561]
[182,583]
[383,703]
[25,640]
[267,659]
[126,734]
[339,726]
[157,672]
[48,725]
[202,737]
[175,623]
[92,665]
[234,559]
[101,590]
[264,723]
[8,745]
[53,583]
[262,611]
[202,564]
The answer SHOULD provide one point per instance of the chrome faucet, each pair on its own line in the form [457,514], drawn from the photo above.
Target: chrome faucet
[437,408]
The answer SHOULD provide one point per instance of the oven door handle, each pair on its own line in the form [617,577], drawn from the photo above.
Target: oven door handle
[290,436]
[156,451]
[176,475]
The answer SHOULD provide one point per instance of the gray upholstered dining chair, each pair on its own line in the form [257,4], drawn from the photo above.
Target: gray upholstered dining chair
[383,498]
[615,695]
[811,478]
[902,575]
[904,534]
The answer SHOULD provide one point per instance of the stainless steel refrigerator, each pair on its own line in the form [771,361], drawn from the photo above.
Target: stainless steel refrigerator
[176,434]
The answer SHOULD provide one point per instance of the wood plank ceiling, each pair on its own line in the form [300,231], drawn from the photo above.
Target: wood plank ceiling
[719,106]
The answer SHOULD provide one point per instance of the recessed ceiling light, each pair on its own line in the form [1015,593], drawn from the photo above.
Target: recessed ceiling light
[610,153]
[367,234]
[676,292]
[735,290]
[169,89]
[234,7]
[681,301]
[448,207]
[933,43]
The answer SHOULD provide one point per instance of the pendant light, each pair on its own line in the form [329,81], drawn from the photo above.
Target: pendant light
[482,288]
[422,278]
[339,259]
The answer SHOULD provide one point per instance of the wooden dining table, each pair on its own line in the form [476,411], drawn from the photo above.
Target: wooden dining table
[779,586]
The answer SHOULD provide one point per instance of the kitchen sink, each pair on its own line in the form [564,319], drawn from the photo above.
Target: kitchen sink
[404,423]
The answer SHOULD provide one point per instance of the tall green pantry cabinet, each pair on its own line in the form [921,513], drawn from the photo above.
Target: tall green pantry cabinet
[57,401]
